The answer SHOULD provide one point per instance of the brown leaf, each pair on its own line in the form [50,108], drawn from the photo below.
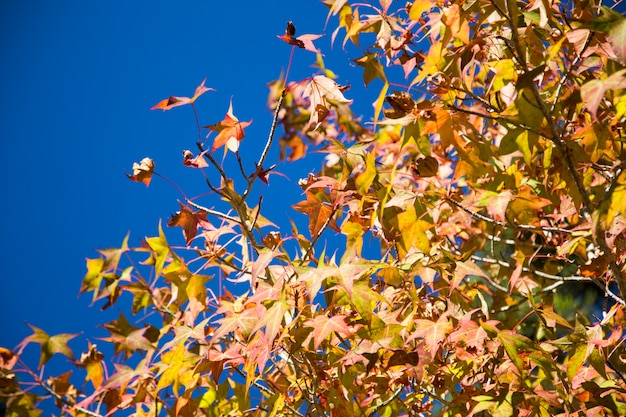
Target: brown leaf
[303,41]
[318,213]
[426,167]
[189,220]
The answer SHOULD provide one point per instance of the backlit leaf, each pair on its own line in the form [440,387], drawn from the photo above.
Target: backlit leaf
[142,171]
[173,101]
[230,131]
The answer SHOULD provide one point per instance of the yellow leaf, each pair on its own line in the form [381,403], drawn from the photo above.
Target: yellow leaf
[418,8]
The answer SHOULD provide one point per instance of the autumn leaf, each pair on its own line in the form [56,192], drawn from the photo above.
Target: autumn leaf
[189,220]
[8,359]
[593,91]
[464,269]
[92,362]
[426,166]
[170,103]
[125,337]
[296,146]
[322,92]
[231,131]
[192,161]
[50,345]
[372,68]
[318,212]
[264,174]
[303,41]
[434,333]
[323,326]
[142,171]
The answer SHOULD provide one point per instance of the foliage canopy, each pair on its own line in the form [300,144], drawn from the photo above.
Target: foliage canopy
[483,210]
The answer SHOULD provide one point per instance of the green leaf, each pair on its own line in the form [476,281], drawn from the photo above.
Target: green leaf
[159,251]
[50,345]
[372,68]
[365,179]
[577,355]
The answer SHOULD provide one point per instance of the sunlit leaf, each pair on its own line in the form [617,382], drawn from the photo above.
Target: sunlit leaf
[173,101]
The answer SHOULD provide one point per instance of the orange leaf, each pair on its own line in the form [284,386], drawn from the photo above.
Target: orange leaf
[142,171]
[173,101]
[231,131]
[318,213]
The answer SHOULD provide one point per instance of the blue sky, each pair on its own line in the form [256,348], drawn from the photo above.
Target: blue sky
[78,81]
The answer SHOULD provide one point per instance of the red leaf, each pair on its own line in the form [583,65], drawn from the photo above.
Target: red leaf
[231,131]
[174,101]
[304,41]
[189,221]
[194,161]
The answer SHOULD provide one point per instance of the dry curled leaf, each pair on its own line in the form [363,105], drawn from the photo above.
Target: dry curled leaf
[142,171]
[303,41]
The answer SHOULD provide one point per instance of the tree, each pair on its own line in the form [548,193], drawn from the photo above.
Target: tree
[482,212]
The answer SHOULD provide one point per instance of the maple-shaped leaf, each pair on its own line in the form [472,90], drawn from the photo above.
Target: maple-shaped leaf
[173,101]
[198,161]
[322,92]
[592,92]
[50,345]
[189,220]
[296,146]
[318,212]
[323,326]
[303,41]
[142,171]
[433,333]
[231,131]
[262,173]
[127,338]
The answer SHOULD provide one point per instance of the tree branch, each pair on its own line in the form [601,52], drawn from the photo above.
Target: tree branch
[523,227]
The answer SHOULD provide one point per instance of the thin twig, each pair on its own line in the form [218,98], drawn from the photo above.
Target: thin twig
[240,162]
[268,143]
[319,233]
[499,119]
[395,395]
[213,212]
[525,227]
[577,59]
[545,275]
[268,391]
[60,397]
[556,138]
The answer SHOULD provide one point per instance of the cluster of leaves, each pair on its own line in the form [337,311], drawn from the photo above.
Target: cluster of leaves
[491,190]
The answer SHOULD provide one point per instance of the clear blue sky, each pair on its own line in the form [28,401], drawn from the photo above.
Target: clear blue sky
[78,81]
